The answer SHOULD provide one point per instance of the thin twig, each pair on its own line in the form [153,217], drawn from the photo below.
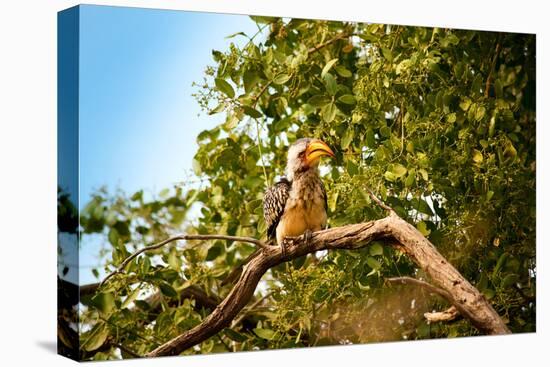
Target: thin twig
[324,44]
[493,64]
[156,246]
[260,93]
[379,202]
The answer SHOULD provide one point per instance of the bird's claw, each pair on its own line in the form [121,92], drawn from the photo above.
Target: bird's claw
[283,247]
[308,235]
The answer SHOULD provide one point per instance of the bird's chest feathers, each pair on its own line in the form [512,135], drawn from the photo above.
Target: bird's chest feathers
[305,209]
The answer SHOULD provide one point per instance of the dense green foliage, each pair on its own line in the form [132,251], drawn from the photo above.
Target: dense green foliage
[439,122]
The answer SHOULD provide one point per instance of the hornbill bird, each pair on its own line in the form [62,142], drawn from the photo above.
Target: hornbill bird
[297,204]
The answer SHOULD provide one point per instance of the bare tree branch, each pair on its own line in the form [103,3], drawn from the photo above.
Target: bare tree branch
[449,314]
[186,237]
[392,229]
[379,202]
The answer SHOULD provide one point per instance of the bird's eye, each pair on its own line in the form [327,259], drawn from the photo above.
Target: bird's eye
[301,154]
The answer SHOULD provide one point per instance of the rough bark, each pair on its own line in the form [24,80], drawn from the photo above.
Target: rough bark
[393,230]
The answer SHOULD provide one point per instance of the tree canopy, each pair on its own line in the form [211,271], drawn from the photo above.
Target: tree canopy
[440,123]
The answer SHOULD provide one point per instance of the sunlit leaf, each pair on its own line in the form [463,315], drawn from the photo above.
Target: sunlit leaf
[225,87]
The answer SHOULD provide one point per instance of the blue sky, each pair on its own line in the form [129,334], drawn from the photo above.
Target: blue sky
[138,120]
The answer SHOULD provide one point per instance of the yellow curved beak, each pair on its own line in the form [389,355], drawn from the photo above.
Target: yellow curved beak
[316,149]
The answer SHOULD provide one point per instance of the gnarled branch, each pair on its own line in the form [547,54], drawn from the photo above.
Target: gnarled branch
[392,229]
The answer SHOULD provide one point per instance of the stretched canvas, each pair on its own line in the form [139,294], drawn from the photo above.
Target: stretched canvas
[232,183]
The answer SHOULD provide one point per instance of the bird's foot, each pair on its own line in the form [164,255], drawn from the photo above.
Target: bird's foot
[283,245]
[308,235]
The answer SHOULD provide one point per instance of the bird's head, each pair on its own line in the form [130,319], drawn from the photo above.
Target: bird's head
[305,154]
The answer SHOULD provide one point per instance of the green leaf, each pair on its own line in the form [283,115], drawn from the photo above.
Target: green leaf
[130,298]
[373,263]
[167,289]
[213,252]
[488,293]
[252,112]
[348,137]
[231,121]
[267,334]
[389,176]
[451,118]
[328,66]
[409,181]
[174,260]
[352,168]
[398,170]
[330,84]
[387,54]
[219,108]
[104,302]
[342,71]
[480,113]
[197,167]
[477,156]
[225,87]
[347,99]
[423,173]
[250,80]
[465,104]
[95,337]
[319,100]
[500,263]
[376,249]
[113,236]
[234,335]
[236,34]
[328,112]
[509,280]
[498,89]
[385,131]
[281,78]
[422,228]
[138,195]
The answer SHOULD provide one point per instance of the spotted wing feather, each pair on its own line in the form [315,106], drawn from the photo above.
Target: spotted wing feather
[275,199]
